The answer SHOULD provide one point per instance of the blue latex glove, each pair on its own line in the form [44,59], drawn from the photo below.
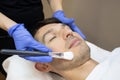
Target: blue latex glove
[76,29]
[24,41]
[69,21]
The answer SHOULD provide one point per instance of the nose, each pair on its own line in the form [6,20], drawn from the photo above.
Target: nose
[67,33]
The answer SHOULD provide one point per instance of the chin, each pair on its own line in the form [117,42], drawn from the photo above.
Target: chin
[81,52]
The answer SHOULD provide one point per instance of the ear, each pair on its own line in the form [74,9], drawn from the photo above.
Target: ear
[44,67]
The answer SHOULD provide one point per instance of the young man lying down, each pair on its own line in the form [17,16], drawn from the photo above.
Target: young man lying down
[60,38]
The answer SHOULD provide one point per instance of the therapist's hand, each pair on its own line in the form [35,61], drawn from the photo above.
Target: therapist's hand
[76,29]
[24,41]
[69,21]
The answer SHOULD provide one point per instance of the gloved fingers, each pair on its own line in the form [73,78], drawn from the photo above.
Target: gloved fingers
[61,16]
[39,58]
[24,40]
[39,46]
[76,29]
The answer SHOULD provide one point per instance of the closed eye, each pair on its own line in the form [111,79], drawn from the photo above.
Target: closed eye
[52,38]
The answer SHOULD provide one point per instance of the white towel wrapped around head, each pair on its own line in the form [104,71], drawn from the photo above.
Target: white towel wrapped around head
[18,68]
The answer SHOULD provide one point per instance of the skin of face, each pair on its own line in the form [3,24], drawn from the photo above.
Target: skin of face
[60,38]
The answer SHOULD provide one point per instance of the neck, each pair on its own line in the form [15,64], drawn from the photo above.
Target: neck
[81,72]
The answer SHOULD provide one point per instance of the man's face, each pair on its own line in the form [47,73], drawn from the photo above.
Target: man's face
[60,38]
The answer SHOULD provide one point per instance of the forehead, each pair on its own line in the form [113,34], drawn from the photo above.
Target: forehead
[39,34]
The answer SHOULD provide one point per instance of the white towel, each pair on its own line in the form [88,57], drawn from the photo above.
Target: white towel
[97,53]
[18,68]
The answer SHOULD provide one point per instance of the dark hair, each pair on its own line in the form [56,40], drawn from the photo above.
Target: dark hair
[43,23]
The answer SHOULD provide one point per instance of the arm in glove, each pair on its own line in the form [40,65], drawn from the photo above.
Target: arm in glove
[24,41]
[76,29]
[69,21]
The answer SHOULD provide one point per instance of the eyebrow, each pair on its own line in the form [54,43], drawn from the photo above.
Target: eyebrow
[49,31]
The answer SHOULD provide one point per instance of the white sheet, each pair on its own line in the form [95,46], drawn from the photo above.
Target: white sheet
[109,69]
[18,68]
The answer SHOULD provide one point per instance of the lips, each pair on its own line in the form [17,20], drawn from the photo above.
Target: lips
[74,42]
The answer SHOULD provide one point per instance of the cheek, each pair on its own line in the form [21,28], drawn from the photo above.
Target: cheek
[57,45]
[77,35]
